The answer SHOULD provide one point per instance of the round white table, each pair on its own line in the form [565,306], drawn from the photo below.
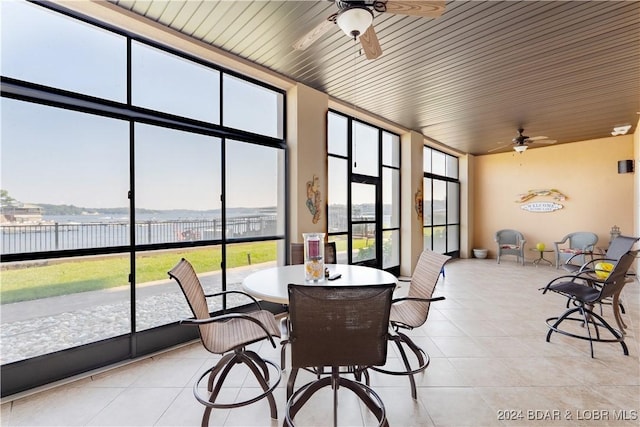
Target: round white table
[271,284]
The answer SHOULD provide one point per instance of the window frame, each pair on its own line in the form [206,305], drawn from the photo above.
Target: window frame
[18,376]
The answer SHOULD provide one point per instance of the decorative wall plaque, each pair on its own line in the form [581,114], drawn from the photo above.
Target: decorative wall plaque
[541,207]
[314,198]
[552,192]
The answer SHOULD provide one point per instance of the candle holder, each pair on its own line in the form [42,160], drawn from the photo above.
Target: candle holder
[313,257]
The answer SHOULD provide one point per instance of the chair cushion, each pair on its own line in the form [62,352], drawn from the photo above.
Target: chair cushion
[572,251]
[510,246]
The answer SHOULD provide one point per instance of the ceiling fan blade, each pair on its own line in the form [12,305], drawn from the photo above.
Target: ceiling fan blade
[502,147]
[427,9]
[370,43]
[313,35]
[546,141]
[537,138]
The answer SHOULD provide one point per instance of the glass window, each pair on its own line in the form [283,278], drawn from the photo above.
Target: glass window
[171,84]
[254,190]
[440,239]
[73,169]
[337,134]
[46,304]
[441,202]
[453,238]
[390,198]
[337,195]
[363,202]
[67,178]
[426,159]
[365,149]
[427,202]
[390,150]
[438,163]
[390,248]
[253,108]
[178,186]
[453,202]
[40,46]
[452,167]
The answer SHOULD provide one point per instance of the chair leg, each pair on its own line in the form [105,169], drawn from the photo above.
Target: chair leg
[259,369]
[283,353]
[412,381]
[365,393]
[291,382]
[617,308]
[263,383]
[422,357]
[587,317]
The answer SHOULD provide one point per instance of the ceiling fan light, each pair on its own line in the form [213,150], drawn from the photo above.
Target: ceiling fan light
[354,21]
[520,148]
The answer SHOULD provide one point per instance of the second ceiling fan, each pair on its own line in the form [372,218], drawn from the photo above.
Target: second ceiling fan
[355,18]
[522,141]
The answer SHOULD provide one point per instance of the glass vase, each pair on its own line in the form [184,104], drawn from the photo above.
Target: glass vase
[313,257]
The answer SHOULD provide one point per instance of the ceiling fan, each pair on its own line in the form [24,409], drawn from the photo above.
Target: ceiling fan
[521,142]
[355,18]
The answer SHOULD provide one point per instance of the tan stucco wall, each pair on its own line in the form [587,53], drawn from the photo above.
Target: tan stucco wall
[636,193]
[586,172]
[307,143]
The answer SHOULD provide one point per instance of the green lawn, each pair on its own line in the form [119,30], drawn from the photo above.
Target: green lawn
[63,277]
[89,274]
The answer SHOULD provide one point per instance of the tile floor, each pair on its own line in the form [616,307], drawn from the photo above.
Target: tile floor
[490,365]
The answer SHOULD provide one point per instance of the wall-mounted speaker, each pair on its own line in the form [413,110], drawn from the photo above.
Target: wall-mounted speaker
[625,166]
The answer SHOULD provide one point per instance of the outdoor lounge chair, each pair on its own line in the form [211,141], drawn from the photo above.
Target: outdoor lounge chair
[228,335]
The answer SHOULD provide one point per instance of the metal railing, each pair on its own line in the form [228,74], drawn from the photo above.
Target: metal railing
[24,238]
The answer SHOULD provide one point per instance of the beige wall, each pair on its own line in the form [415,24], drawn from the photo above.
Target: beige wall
[586,172]
[307,142]
[636,193]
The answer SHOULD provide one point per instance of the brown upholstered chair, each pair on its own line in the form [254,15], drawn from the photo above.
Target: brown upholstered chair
[412,311]
[585,291]
[228,335]
[337,327]
[297,253]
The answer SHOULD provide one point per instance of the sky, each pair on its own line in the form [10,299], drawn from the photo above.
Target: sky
[55,156]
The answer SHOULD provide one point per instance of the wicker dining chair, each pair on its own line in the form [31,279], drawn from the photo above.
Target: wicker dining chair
[228,335]
[411,312]
[343,328]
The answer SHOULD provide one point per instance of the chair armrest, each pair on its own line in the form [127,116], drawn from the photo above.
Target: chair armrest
[573,278]
[217,294]
[590,265]
[225,317]
[417,299]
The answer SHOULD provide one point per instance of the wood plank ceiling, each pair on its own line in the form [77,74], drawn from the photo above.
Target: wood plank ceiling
[568,70]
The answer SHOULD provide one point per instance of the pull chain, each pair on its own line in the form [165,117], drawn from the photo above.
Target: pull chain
[355,96]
